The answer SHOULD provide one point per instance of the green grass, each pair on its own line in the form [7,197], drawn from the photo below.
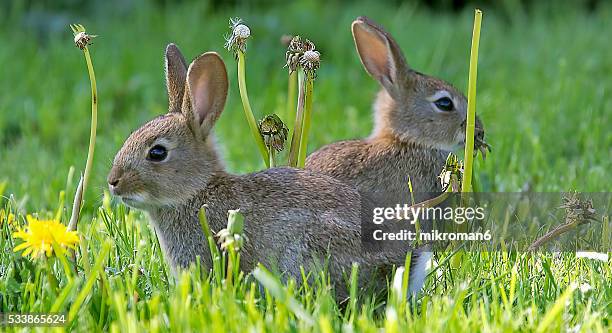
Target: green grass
[543,94]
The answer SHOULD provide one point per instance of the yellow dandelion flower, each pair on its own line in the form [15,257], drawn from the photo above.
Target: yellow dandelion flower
[39,235]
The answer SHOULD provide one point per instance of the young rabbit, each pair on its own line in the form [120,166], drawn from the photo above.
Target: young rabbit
[170,169]
[418,118]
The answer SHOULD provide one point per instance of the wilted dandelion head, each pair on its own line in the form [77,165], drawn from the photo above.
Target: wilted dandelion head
[81,38]
[300,45]
[310,62]
[577,210]
[236,42]
[274,132]
[295,51]
[39,235]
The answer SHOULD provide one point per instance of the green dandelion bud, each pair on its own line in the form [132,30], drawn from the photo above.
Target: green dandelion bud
[232,235]
[451,173]
[274,132]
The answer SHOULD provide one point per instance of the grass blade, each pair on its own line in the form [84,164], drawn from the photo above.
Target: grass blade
[91,279]
[471,114]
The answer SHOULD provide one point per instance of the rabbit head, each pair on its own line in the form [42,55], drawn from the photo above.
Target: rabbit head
[412,107]
[168,159]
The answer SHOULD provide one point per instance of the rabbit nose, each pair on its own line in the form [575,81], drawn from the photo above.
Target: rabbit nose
[113,178]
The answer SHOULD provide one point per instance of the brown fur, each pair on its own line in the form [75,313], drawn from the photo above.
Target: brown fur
[411,138]
[293,217]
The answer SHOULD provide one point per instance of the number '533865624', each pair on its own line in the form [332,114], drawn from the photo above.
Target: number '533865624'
[33,319]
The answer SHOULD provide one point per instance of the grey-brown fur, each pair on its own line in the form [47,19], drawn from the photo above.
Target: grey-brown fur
[293,217]
[411,138]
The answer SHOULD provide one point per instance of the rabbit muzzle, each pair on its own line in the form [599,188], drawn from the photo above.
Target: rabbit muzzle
[120,183]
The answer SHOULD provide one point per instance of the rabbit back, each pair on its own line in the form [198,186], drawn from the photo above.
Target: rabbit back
[380,167]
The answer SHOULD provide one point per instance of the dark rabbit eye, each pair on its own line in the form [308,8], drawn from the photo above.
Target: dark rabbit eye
[444,104]
[157,153]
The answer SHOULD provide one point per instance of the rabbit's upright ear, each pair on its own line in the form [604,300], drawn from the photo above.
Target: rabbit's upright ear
[380,55]
[205,93]
[176,73]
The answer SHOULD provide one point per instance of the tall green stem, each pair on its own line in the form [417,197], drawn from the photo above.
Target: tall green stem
[466,186]
[74,219]
[294,150]
[306,121]
[271,153]
[94,119]
[247,109]
[292,86]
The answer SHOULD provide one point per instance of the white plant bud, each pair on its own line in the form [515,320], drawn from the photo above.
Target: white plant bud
[242,31]
[312,56]
[82,39]
[310,62]
[80,36]
[236,42]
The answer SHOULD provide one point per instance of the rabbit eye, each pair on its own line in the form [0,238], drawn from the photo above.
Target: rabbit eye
[157,154]
[444,104]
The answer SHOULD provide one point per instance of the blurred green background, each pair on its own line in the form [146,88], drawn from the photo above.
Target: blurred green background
[544,83]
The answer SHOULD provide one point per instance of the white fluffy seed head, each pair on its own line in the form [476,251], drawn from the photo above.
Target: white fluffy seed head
[82,39]
[312,56]
[242,31]
[78,37]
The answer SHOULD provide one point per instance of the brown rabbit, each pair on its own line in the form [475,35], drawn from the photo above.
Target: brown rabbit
[170,169]
[419,120]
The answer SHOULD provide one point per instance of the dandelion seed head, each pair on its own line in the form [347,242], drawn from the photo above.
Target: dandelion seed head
[312,56]
[82,39]
[242,31]
[296,50]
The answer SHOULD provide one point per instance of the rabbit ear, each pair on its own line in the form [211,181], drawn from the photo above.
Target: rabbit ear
[205,93]
[380,55]
[176,73]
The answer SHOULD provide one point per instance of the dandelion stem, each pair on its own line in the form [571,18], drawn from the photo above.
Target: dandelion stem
[466,185]
[230,266]
[94,118]
[292,85]
[215,255]
[247,109]
[306,120]
[553,234]
[294,150]
[76,209]
[471,114]
[271,154]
